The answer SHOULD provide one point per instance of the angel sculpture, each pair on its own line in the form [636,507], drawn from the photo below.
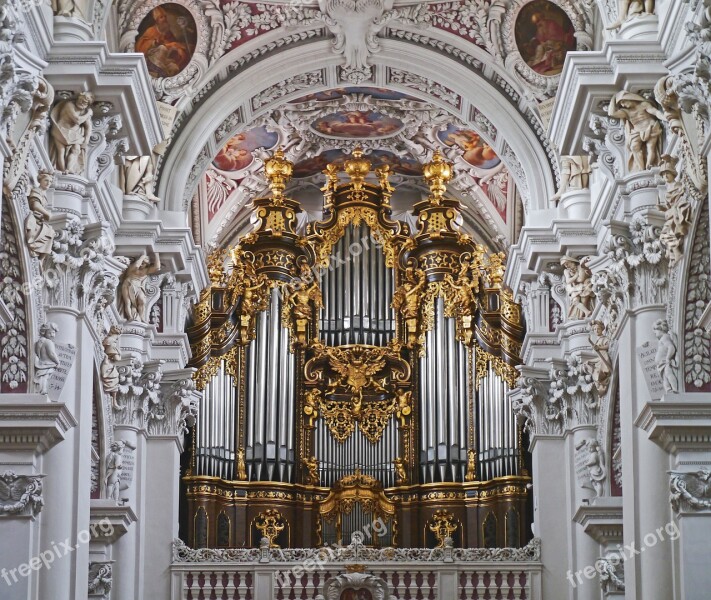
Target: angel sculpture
[465,287]
[304,293]
[578,285]
[600,368]
[311,465]
[406,298]
[400,472]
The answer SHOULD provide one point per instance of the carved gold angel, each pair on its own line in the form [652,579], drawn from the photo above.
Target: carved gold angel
[406,298]
[305,293]
[465,289]
[311,465]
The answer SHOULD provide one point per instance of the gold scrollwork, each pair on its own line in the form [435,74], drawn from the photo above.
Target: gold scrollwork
[443,526]
[364,386]
[270,523]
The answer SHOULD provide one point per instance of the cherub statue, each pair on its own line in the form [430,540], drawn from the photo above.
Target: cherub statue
[404,405]
[407,297]
[306,291]
[596,466]
[643,128]
[46,359]
[400,472]
[465,287]
[666,356]
[114,468]
[311,465]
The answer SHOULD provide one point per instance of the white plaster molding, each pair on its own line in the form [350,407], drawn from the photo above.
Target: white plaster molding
[29,423]
[20,495]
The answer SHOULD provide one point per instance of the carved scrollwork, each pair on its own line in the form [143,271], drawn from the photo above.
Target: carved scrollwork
[690,491]
[20,494]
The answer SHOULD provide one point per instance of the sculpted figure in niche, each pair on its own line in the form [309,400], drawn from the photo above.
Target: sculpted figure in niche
[643,129]
[666,356]
[627,9]
[133,296]
[108,370]
[46,359]
[68,8]
[71,130]
[39,234]
[600,368]
[578,285]
[137,177]
[575,174]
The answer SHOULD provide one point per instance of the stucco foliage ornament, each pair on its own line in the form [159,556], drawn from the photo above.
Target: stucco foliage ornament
[690,491]
[76,272]
[20,494]
[356,552]
[697,341]
[694,89]
[640,259]
[13,336]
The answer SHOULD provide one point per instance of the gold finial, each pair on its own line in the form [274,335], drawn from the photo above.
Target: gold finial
[357,168]
[437,174]
[278,170]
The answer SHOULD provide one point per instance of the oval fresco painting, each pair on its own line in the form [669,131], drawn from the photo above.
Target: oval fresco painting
[236,154]
[475,151]
[357,124]
[167,37]
[336,93]
[403,165]
[544,35]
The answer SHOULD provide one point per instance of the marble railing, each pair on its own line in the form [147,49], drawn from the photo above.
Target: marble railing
[433,574]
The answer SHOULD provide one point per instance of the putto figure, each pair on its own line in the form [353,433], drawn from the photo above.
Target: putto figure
[643,129]
[132,300]
[71,130]
[666,356]
[46,359]
[114,469]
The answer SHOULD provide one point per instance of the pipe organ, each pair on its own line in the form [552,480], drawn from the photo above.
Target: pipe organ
[356,373]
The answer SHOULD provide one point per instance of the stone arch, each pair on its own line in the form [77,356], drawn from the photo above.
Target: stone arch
[311,67]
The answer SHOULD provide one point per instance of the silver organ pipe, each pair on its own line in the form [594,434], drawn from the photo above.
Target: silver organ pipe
[358,289]
[216,427]
[270,398]
[496,429]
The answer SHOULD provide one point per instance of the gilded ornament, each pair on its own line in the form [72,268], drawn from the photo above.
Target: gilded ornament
[278,171]
[400,472]
[437,174]
[270,523]
[443,526]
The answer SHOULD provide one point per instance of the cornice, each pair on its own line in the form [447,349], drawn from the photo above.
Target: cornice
[679,423]
[602,519]
[121,79]
[29,422]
